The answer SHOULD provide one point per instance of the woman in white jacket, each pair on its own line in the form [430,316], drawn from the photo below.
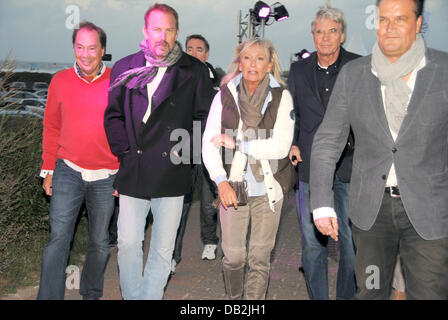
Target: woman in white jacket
[247,138]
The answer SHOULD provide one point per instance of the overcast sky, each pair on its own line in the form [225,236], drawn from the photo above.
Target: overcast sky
[36,30]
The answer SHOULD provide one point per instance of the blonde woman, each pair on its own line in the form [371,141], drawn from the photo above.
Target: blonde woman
[247,139]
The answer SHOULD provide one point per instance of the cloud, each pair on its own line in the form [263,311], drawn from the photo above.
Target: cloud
[84,4]
[117,4]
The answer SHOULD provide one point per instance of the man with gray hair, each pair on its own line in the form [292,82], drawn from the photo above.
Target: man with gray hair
[396,102]
[311,82]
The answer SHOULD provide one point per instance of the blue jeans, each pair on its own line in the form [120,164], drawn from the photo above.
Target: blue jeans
[314,246]
[148,283]
[69,193]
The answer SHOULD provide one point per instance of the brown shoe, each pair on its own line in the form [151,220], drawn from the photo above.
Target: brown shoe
[399,295]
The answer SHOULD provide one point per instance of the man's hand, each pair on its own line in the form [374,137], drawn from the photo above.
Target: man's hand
[47,185]
[328,227]
[227,195]
[223,140]
[294,155]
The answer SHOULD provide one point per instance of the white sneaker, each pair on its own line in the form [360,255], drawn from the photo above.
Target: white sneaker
[209,252]
[173,266]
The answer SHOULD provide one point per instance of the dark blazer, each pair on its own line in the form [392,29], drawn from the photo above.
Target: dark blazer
[146,150]
[216,80]
[310,111]
[420,152]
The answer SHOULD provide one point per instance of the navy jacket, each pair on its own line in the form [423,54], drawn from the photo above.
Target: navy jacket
[310,111]
[146,150]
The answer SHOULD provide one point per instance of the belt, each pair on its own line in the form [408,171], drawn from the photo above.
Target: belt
[394,192]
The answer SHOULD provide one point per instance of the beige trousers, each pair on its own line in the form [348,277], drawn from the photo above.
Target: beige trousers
[263,231]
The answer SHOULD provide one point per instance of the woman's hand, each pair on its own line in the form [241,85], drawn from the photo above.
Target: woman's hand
[223,140]
[227,195]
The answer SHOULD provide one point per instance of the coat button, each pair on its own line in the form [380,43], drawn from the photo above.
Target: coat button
[164,154]
[394,149]
[139,151]
[384,177]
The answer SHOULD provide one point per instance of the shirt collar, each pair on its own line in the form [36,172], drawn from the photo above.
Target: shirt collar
[334,66]
[81,75]
[273,83]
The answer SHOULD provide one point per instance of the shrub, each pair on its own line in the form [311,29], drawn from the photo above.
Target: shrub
[24,209]
[24,225]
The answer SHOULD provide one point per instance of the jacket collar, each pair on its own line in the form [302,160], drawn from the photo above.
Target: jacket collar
[235,81]
[138,60]
[178,72]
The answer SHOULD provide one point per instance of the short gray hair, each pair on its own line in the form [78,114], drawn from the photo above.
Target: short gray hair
[331,13]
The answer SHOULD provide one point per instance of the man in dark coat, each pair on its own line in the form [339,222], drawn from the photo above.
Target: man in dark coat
[155,96]
[311,83]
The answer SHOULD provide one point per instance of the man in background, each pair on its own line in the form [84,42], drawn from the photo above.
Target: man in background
[311,84]
[198,47]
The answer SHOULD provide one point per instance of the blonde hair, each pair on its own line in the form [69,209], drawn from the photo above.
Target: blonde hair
[271,53]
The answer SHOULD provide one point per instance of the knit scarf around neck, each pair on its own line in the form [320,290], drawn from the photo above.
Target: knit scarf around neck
[250,108]
[141,76]
[390,75]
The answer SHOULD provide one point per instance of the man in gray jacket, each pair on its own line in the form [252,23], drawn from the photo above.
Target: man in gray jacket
[396,102]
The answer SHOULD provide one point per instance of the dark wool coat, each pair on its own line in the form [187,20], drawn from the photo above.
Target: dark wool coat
[147,169]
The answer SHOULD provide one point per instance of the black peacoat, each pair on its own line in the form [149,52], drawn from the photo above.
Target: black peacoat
[147,169]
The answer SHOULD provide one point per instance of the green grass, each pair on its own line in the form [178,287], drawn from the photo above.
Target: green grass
[24,223]
[25,266]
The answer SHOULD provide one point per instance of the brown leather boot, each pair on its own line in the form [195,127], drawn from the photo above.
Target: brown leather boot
[256,285]
[234,282]
[399,295]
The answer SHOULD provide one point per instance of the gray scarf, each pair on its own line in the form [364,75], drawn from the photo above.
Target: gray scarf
[141,76]
[391,74]
[250,108]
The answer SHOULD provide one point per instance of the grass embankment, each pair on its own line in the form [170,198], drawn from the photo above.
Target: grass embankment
[24,223]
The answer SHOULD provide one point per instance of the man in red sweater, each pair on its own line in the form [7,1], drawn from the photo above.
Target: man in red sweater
[78,165]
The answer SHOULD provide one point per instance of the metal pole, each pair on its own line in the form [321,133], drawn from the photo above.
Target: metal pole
[263,21]
[240,36]
[251,24]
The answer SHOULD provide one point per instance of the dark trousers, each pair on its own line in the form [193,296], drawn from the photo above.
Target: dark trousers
[113,229]
[424,262]
[208,213]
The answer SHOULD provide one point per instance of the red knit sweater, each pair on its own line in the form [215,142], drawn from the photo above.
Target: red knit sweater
[74,122]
